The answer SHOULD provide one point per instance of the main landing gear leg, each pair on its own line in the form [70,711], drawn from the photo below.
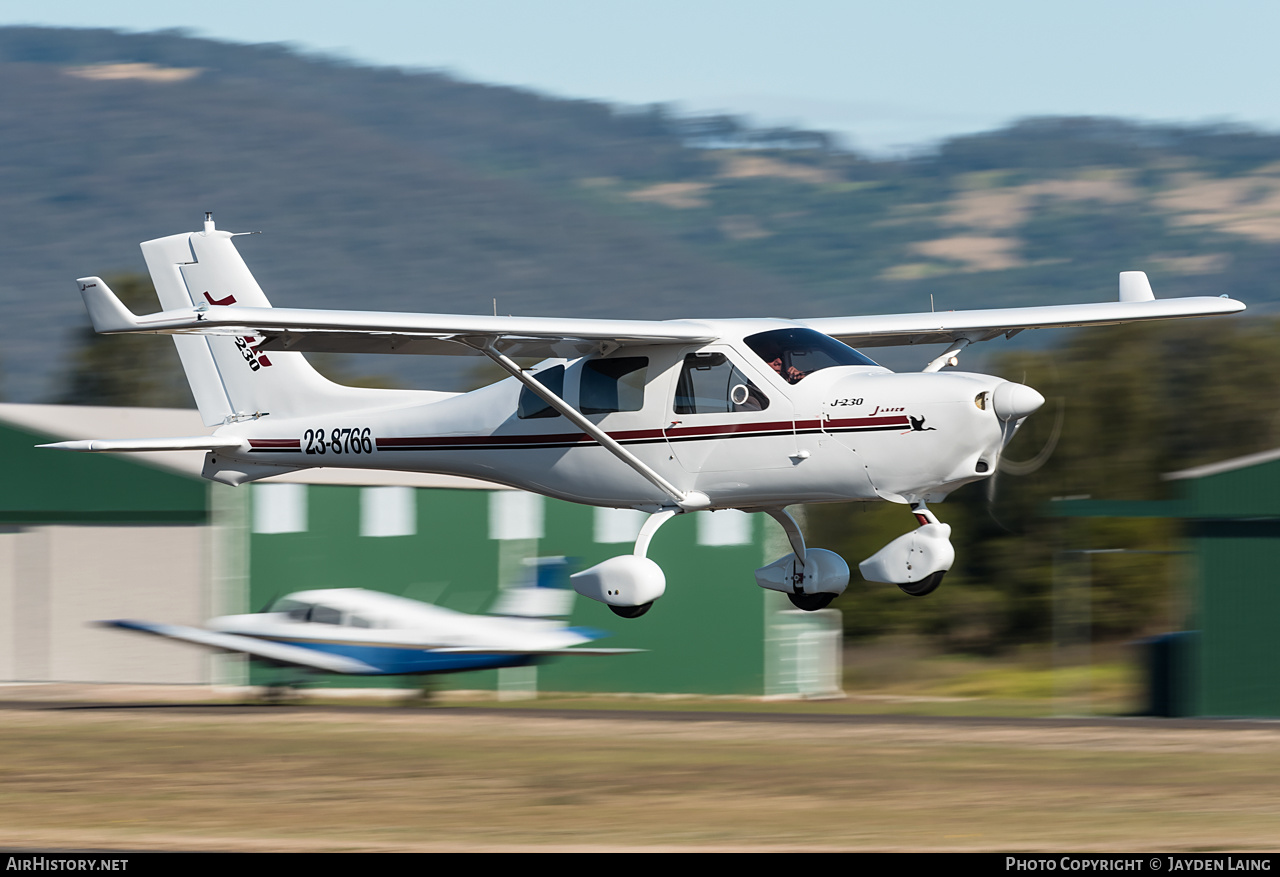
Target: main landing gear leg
[628,584]
[811,577]
[792,529]
[927,585]
[641,550]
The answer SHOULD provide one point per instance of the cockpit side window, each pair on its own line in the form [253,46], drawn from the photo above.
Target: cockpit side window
[325,615]
[610,385]
[710,384]
[295,609]
[531,404]
[797,353]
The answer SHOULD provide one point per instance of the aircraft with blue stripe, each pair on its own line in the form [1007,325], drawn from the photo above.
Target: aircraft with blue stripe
[370,633]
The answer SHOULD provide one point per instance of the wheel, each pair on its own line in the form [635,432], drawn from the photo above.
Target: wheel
[632,611]
[925,586]
[811,602]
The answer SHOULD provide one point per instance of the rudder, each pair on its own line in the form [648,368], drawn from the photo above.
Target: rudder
[230,378]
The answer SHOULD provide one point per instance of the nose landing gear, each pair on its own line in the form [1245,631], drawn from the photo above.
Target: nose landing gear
[924,587]
[917,561]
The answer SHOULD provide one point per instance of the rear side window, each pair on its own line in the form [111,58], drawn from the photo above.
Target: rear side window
[531,404]
[610,385]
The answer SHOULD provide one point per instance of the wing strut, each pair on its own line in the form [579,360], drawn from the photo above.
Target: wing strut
[948,358]
[688,501]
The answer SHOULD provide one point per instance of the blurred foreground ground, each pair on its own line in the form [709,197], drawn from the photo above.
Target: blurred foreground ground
[448,777]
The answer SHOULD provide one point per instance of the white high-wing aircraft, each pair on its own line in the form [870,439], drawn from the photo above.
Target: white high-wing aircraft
[368,633]
[663,416]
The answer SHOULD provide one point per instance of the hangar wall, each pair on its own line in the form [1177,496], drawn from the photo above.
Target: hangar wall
[88,537]
[57,580]
[460,548]
[1223,664]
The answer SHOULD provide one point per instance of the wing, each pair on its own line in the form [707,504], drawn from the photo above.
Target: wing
[1137,303]
[310,330]
[386,332]
[280,653]
[572,650]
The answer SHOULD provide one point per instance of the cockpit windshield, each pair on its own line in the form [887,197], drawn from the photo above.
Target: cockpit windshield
[295,609]
[797,353]
[319,614]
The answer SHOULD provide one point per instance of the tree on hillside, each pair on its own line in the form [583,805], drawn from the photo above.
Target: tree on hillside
[127,370]
[1137,403]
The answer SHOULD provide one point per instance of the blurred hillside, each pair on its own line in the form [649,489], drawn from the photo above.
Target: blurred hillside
[398,190]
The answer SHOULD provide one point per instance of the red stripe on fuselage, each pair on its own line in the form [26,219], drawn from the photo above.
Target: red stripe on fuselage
[743,430]
[855,423]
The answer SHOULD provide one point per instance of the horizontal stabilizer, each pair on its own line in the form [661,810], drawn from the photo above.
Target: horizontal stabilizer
[183,443]
[106,311]
[281,653]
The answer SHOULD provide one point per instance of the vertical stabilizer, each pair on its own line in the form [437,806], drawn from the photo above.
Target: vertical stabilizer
[230,377]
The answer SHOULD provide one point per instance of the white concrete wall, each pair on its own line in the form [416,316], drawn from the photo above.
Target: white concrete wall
[8,627]
[56,580]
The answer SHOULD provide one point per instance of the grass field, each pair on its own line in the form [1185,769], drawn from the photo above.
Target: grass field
[435,779]
[906,677]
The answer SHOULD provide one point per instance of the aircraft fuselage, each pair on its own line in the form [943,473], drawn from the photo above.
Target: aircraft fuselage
[841,433]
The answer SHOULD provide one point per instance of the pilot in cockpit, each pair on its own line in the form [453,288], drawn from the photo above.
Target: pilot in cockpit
[793,375]
[784,348]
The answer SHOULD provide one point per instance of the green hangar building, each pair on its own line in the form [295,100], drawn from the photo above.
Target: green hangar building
[88,537]
[1227,662]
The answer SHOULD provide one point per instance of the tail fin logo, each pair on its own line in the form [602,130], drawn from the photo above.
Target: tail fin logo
[249,350]
[248,345]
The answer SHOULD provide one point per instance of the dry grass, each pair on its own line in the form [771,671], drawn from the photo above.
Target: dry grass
[678,196]
[435,780]
[1245,206]
[1003,209]
[737,166]
[976,253]
[146,72]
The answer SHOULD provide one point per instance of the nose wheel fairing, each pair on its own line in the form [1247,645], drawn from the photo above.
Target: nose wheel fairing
[915,561]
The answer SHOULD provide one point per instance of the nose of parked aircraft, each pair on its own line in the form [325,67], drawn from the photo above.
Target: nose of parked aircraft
[1015,401]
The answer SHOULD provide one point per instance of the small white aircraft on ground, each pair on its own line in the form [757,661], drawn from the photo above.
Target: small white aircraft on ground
[662,416]
[368,633]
